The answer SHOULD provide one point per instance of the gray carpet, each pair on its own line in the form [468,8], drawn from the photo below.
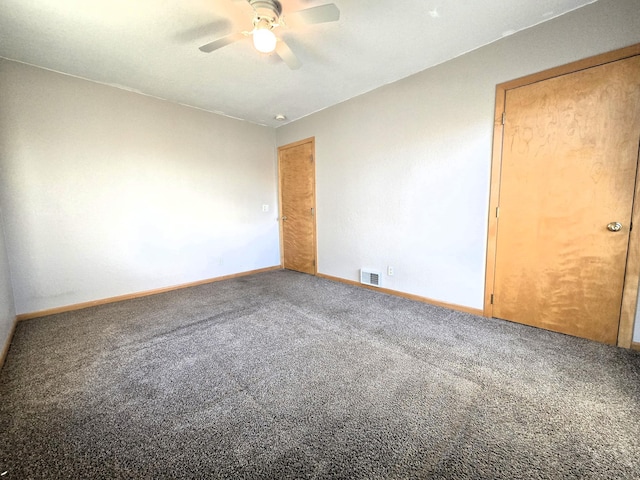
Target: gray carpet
[283,375]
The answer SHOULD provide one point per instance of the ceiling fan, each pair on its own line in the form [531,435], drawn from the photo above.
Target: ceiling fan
[267,16]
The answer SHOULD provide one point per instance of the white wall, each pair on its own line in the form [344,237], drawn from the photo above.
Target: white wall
[107,192]
[403,172]
[7,311]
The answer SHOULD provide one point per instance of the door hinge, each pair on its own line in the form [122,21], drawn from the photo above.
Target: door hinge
[314,263]
[497,212]
[312,211]
[491,299]
[504,117]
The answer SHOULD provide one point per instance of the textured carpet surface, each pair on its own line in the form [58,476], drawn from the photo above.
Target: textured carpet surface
[283,375]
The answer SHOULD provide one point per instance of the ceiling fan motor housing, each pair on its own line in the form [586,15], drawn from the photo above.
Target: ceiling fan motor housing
[269,10]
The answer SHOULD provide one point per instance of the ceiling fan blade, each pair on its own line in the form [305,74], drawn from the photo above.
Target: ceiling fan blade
[287,56]
[320,14]
[221,42]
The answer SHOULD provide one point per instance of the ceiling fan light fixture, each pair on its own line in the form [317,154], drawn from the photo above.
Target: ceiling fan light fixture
[264,39]
[267,16]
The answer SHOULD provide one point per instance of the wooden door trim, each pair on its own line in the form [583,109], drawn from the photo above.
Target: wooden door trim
[632,273]
[312,141]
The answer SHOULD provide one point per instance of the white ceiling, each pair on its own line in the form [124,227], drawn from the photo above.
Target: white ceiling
[151,46]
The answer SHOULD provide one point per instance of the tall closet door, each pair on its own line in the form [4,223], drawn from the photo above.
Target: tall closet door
[297,205]
[569,159]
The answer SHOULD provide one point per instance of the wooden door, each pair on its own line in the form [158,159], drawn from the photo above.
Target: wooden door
[569,160]
[297,205]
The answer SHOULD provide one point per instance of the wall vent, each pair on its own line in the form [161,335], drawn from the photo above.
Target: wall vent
[370,277]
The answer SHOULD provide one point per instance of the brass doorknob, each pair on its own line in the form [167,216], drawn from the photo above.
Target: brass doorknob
[614,227]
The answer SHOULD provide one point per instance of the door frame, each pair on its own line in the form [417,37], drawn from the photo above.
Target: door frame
[632,272]
[311,140]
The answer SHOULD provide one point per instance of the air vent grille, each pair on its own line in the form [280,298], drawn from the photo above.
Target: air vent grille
[370,277]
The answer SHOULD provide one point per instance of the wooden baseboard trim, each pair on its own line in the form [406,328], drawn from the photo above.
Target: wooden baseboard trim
[635,346]
[130,296]
[7,343]
[410,296]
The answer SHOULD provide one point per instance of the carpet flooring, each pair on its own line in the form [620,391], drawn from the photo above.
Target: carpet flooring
[282,375]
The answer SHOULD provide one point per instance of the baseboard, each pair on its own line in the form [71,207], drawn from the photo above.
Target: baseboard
[635,346]
[7,344]
[418,298]
[130,296]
